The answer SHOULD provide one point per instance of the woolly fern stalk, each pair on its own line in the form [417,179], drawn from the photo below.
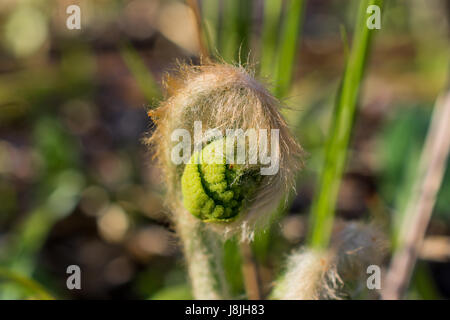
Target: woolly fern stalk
[320,274]
[204,255]
[210,198]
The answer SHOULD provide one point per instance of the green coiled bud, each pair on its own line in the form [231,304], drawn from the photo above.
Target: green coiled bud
[216,191]
[239,196]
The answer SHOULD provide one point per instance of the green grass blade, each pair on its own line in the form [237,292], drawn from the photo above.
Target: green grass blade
[229,42]
[210,23]
[235,31]
[272,14]
[147,84]
[29,284]
[289,39]
[323,208]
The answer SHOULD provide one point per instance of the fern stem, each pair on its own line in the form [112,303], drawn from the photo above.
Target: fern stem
[204,254]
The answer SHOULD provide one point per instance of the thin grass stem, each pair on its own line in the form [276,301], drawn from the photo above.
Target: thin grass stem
[289,40]
[26,283]
[324,204]
[144,79]
[421,201]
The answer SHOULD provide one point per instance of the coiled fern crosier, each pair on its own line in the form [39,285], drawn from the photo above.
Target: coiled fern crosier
[210,198]
[215,191]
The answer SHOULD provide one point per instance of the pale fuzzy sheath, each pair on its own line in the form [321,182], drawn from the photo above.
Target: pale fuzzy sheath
[312,274]
[358,245]
[204,259]
[224,97]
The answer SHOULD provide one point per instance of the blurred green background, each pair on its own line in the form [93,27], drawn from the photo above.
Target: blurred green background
[77,185]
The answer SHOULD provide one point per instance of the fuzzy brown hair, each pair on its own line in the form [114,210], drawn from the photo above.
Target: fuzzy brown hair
[224,97]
